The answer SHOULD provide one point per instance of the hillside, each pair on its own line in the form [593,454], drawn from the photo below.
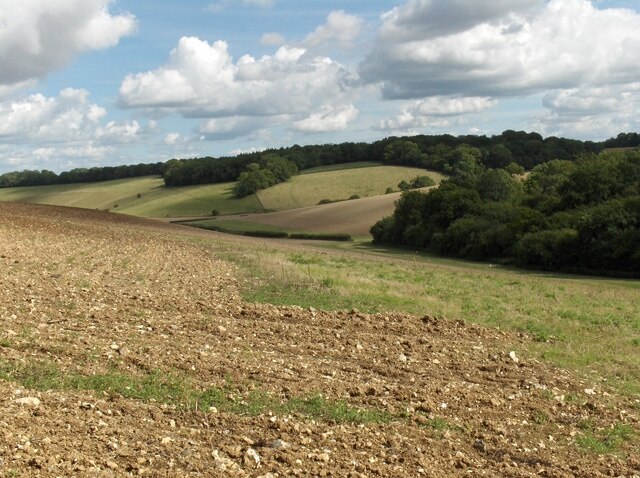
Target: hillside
[354,217]
[145,197]
[338,183]
[145,361]
[148,197]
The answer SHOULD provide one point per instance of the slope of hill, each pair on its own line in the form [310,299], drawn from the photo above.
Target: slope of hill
[126,350]
[354,217]
[337,184]
[146,197]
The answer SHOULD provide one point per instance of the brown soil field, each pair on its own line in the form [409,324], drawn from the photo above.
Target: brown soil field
[354,217]
[94,293]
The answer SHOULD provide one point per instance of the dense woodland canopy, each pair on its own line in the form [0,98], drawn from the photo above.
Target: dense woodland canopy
[433,152]
[578,216]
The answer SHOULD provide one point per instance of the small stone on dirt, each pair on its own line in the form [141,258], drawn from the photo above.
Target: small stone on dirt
[513,357]
[278,444]
[31,402]
[251,457]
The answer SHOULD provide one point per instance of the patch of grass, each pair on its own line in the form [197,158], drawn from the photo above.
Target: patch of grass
[605,441]
[340,167]
[233,226]
[251,229]
[145,196]
[567,316]
[321,237]
[320,408]
[161,387]
[540,417]
[5,343]
[438,424]
[336,184]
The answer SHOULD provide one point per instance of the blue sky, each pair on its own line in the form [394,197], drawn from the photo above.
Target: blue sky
[99,82]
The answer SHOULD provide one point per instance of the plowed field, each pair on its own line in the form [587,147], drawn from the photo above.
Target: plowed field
[126,350]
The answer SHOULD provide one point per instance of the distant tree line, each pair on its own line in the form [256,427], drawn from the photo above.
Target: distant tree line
[511,149]
[79,175]
[576,216]
[440,153]
[623,140]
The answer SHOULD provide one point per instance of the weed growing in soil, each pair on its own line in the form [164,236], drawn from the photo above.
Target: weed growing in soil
[605,441]
[160,387]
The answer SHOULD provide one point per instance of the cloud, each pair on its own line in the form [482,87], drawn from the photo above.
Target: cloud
[229,128]
[68,116]
[219,6]
[114,132]
[57,129]
[328,119]
[172,138]
[426,19]
[272,39]
[340,27]
[435,112]
[237,152]
[591,112]
[502,48]
[201,80]
[38,36]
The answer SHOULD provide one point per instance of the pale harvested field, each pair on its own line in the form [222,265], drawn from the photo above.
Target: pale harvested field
[145,361]
[353,217]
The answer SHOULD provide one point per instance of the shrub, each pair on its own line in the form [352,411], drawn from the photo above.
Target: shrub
[321,236]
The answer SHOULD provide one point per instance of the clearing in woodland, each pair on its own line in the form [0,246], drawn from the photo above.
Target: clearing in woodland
[127,349]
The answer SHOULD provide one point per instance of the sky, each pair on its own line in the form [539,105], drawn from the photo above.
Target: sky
[88,83]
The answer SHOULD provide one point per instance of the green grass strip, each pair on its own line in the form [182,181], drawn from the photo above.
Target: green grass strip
[160,387]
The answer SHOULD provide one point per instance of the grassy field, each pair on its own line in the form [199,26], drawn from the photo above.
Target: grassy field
[147,196]
[144,196]
[583,323]
[336,183]
[354,217]
[340,167]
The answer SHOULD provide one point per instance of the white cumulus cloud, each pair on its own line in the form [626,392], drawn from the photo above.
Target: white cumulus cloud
[221,5]
[340,27]
[67,129]
[202,80]
[502,48]
[591,112]
[38,36]
[329,118]
[435,112]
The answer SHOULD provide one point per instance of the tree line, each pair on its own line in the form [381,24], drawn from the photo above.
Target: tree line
[437,152]
[575,216]
[79,175]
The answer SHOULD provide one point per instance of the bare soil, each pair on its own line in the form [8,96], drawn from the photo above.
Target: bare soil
[95,292]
